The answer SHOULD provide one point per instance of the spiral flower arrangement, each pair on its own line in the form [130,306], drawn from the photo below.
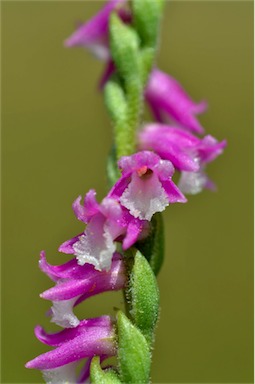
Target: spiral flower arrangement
[122,246]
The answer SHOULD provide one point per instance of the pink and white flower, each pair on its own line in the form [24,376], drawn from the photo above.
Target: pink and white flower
[76,283]
[107,223]
[146,185]
[188,153]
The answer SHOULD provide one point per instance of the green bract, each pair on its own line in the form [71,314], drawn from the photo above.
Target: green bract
[144,296]
[115,100]
[113,172]
[147,15]
[124,44]
[153,246]
[133,352]
[99,376]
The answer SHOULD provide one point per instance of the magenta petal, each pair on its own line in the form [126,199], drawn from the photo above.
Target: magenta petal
[173,144]
[95,29]
[58,338]
[181,159]
[169,133]
[187,152]
[173,192]
[79,210]
[46,267]
[130,164]
[210,185]
[116,281]
[94,33]
[85,372]
[96,341]
[93,283]
[134,231]
[55,339]
[64,271]
[119,187]
[69,270]
[90,204]
[108,71]
[166,95]
[111,209]
[199,107]
[155,110]
[67,246]
[90,207]
[164,169]
[210,148]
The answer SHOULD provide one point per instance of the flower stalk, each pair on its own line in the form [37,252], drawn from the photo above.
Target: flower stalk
[122,245]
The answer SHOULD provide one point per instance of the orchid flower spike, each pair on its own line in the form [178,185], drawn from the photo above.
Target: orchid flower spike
[146,185]
[76,283]
[92,337]
[106,223]
[94,33]
[188,153]
[167,99]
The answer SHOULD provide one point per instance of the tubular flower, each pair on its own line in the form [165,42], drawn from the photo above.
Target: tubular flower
[106,223]
[167,98]
[92,337]
[94,33]
[75,283]
[146,185]
[188,153]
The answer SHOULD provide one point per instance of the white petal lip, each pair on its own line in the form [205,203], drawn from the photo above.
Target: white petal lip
[62,313]
[100,254]
[62,375]
[192,182]
[143,198]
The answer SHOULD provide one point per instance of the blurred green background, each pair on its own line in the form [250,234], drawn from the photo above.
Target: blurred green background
[55,138]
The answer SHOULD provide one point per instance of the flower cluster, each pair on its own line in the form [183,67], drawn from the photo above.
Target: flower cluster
[175,112]
[144,188]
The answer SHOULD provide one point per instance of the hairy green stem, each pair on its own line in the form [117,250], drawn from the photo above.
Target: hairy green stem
[133,48]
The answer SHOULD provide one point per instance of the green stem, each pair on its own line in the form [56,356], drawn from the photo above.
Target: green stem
[133,51]
[126,131]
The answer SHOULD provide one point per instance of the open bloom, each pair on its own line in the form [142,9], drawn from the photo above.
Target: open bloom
[168,99]
[94,33]
[106,223]
[146,185]
[76,283]
[188,153]
[92,337]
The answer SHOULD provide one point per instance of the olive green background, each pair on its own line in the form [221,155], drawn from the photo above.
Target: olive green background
[55,138]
